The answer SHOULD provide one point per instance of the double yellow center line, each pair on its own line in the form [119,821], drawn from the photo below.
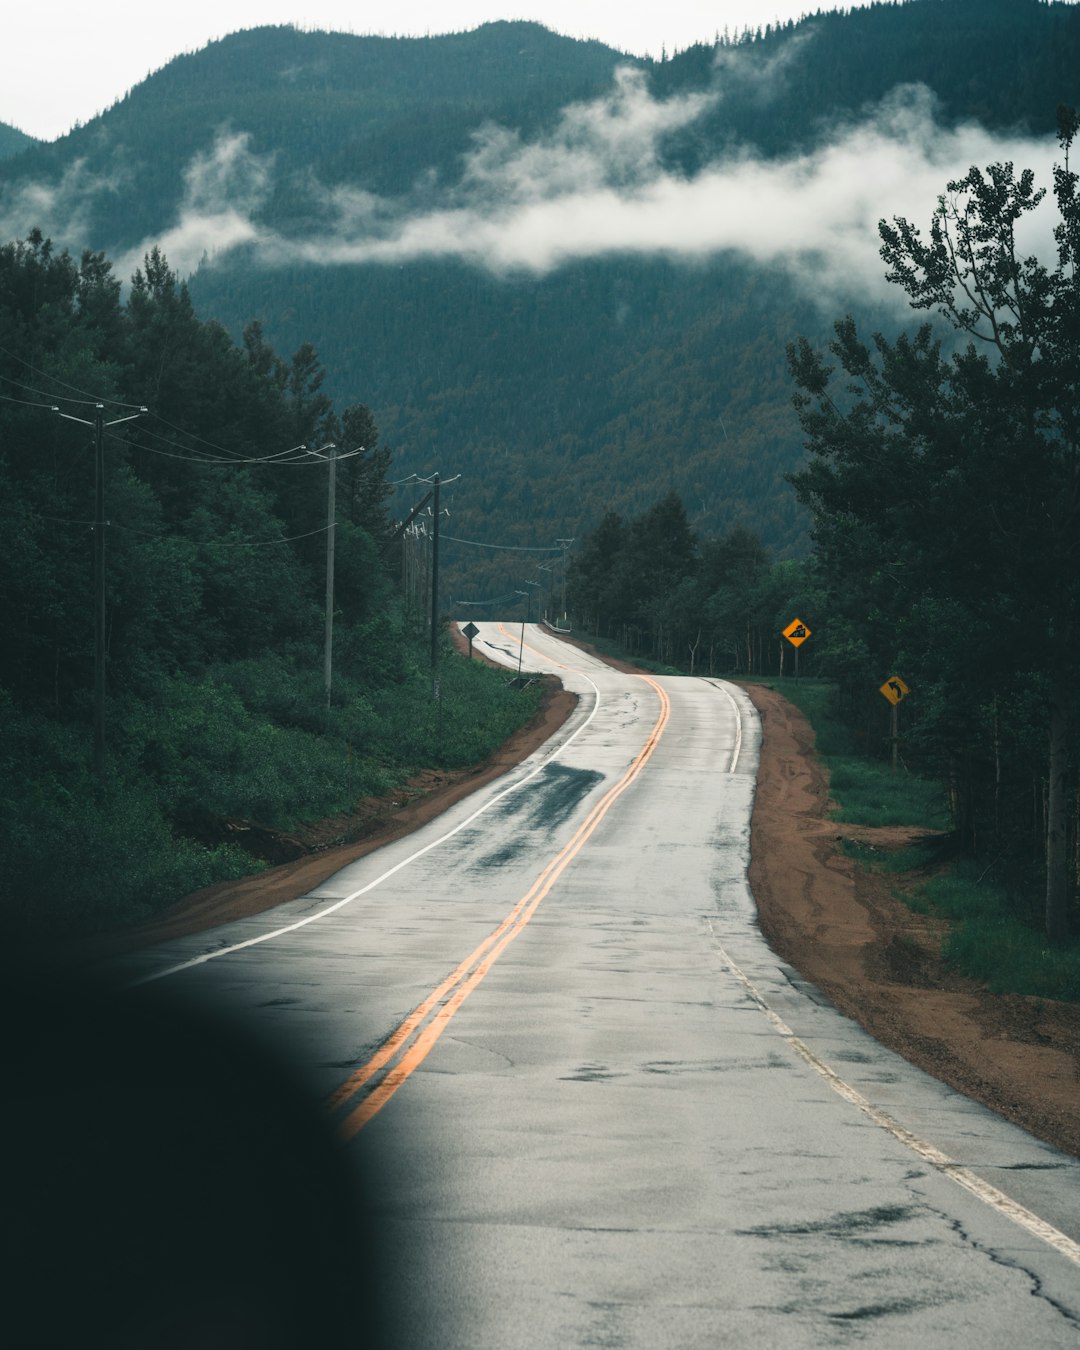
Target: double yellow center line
[411,1043]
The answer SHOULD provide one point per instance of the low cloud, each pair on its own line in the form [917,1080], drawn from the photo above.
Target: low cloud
[596,186]
[224,190]
[62,209]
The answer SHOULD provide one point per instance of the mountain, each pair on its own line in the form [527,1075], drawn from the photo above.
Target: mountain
[470,229]
[12,141]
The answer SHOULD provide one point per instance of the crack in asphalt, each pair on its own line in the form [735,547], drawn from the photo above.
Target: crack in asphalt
[1010,1263]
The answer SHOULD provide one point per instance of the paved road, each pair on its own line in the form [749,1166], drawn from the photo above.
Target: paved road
[595,1109]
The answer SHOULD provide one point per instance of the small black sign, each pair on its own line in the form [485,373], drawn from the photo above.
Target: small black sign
[470,630]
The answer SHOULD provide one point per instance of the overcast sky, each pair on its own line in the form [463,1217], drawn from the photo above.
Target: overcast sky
[72,59]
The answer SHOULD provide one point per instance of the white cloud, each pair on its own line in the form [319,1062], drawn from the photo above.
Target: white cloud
[223,191]
[595,186]
[60,209]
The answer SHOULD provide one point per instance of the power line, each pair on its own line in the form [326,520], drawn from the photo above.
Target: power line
[7,398]
[504,548]
[476,604]
[63,385]
[308,459]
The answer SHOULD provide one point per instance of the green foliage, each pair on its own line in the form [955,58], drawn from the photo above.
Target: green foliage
[993,932]
[865,789]
[601,385]
[676,602]
[989,941]
[80,854]
[868,793]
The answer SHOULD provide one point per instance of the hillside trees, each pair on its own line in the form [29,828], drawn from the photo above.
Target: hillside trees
[214,530]
[945,490]
[700,604]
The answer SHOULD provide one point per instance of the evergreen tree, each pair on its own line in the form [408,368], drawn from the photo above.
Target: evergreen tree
[951,484]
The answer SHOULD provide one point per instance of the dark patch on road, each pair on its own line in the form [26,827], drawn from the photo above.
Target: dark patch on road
[590,1073]
[672,1066]
[872,1310]
[852,1226]
[554,795]
[546,804]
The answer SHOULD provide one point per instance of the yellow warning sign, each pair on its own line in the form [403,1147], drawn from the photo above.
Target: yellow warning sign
[796,632]
[895,689]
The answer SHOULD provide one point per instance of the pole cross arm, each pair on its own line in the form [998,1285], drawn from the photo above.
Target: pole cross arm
[406,522]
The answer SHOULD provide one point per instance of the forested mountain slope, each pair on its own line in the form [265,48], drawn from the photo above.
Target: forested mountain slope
[466,228]
[12,141]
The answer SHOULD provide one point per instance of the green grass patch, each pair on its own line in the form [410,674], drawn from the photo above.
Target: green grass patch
[609,647]
[869,793]
[988,940]
[891,862]
[989,943]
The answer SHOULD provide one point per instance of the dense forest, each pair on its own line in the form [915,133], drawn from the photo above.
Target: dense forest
[12,141]
[163,679]
[601,383]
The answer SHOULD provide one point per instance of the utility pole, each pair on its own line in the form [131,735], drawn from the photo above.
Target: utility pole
[565,546]
[99,424]
[435,589]
[331,532]
[525,620]
[521,648]
[99,590]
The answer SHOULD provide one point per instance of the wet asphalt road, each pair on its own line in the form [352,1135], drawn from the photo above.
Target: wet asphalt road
[592,1107]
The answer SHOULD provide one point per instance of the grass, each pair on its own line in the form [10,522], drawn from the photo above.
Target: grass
[892,862]
[989,943]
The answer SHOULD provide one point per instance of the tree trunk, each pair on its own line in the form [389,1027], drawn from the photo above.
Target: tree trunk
[1057,819]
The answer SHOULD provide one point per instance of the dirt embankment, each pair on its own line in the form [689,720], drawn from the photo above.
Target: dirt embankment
[842,927]
[838,925]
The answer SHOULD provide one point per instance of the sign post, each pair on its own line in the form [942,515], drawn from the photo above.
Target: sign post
[796,633]
[895,690]
[470,630]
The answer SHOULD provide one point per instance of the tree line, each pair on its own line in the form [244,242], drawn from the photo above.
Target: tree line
[704,604]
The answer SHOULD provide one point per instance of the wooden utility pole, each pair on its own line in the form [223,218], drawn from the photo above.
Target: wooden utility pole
[435,589]
[99,590]
[99,424]
[331,532]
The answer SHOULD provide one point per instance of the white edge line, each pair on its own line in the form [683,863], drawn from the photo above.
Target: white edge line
[723,688]
[963,1176]
[385,876]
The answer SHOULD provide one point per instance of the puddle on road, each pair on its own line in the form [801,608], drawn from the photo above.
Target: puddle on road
[548,803]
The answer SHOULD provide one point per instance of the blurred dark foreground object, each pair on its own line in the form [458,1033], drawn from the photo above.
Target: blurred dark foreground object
[168,1183]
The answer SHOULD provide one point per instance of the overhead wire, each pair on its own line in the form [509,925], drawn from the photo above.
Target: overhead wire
[476,604]
[505,548]
[86,395]
[26,403]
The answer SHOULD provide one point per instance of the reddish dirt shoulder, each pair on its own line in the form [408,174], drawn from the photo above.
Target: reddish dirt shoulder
[841,927]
